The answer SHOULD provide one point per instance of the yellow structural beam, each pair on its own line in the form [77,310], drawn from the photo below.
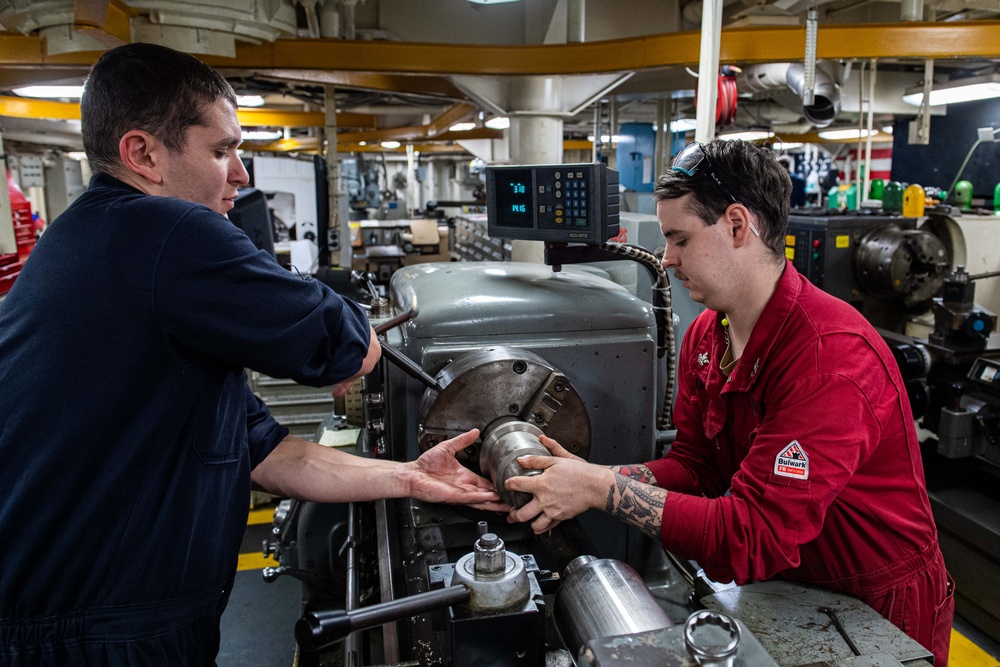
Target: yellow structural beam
[455,113]
[413,133]
[277,118]
[739,45]
[18,107]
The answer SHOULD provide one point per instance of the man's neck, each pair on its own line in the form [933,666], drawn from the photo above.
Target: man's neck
[752,297]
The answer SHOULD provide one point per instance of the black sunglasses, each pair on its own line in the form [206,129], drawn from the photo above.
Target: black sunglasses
[693,159]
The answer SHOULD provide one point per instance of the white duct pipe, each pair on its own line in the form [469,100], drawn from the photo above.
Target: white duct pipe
[809,80]
[776,76]
[868,140]
[911,10]
[349,19]
[708,70]
[861,118]
[575,20]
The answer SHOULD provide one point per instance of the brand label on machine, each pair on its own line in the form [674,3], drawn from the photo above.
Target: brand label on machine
[792,462]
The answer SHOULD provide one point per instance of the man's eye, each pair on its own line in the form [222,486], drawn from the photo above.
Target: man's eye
[220,154]
[681,244]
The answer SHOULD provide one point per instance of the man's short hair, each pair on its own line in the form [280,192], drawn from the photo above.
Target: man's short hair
[754,177]
[145,87]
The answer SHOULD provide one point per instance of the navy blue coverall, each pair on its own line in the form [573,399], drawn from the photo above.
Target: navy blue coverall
[127,430]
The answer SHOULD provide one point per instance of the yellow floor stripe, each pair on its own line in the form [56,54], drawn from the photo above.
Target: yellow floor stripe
[964,653]
[257,561]
[261,516]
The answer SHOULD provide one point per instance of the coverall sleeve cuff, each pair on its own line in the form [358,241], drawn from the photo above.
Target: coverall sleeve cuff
[684,524]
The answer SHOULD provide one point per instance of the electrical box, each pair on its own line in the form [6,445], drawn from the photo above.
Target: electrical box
[568,203]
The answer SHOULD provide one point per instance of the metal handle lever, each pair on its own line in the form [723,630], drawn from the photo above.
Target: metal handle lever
[317,630]
[409,366]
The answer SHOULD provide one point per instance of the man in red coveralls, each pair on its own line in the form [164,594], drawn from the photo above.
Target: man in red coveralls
[789,400]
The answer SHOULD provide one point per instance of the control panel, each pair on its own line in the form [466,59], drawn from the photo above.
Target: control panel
[569,203]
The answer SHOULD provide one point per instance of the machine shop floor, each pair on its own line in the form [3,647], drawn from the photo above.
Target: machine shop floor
[257,627]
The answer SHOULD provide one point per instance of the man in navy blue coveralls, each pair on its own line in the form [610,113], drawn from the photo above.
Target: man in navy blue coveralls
[129,439]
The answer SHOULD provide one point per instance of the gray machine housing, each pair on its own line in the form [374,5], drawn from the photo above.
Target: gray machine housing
[598,334]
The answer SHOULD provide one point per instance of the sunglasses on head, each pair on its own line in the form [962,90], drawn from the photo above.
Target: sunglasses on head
[692,160]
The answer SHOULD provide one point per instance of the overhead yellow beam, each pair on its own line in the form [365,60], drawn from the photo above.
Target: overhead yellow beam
[452,115]
[278,118]
[17,107]
[416,133]
[739,45]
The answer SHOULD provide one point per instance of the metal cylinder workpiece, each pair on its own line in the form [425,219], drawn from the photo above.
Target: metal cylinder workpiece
[502,445]
[604,598]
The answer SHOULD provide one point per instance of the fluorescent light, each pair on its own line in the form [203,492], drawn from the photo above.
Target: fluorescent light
[957,90]
[362,143]
[490,2]
[887,129]
[835,135]
[463,127]
[787,145]
[50,92]
[390,144]
[683,125]
[498,123]
[250,100]
[746,136]
[605,139]
[261,135]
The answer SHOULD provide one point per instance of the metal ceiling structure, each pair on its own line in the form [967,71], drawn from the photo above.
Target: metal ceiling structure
[407,71]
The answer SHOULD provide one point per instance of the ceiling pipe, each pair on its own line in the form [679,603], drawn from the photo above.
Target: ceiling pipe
[575,20]
[911,10]
[708,70]
[779,76]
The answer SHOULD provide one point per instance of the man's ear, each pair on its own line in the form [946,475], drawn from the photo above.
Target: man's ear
[738,218]
[140,153]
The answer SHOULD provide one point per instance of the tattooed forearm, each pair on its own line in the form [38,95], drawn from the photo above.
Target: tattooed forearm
[636,503]
[638,472]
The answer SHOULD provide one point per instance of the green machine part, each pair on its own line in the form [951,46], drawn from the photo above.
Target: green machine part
[963,195]
[892,197]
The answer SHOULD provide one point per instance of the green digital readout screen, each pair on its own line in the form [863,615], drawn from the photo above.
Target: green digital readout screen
[514,198]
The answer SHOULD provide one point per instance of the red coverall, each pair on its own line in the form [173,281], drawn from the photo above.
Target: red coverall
[812,434]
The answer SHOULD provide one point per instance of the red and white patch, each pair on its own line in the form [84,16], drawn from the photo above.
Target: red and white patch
[792,462]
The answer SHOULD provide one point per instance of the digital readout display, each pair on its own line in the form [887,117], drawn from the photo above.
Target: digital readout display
[514,198]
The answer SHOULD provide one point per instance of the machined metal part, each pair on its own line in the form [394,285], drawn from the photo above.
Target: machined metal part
[602,598]
[502,445]
[903,263]
[481,386]
[490,556]
[505,588]
[712,638]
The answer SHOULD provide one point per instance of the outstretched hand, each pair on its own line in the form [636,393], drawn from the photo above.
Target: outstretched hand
[567,487]
[438,477]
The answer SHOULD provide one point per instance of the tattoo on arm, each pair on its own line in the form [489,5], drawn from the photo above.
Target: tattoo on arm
[637,503]
[637,472]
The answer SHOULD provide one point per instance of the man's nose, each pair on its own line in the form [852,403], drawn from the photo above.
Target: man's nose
[238,174]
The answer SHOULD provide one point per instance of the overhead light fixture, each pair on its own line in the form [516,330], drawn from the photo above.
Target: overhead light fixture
[390,144]
[605,138]
[362,143]
[250,100]
[839,135]
[261,135]
[957,90]
[746,136]
[50,92]
[683,125]
[490,2]
[498,123]
[463,127]
[886,130]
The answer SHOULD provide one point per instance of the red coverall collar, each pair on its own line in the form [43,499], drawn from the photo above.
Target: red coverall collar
[764,333]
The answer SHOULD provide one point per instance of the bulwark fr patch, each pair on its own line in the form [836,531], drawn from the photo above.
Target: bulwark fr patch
[792,462]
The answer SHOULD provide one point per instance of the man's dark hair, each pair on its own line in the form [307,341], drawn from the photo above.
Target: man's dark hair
[145,87]
[754,177]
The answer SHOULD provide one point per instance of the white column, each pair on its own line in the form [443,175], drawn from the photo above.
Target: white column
[708,70]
